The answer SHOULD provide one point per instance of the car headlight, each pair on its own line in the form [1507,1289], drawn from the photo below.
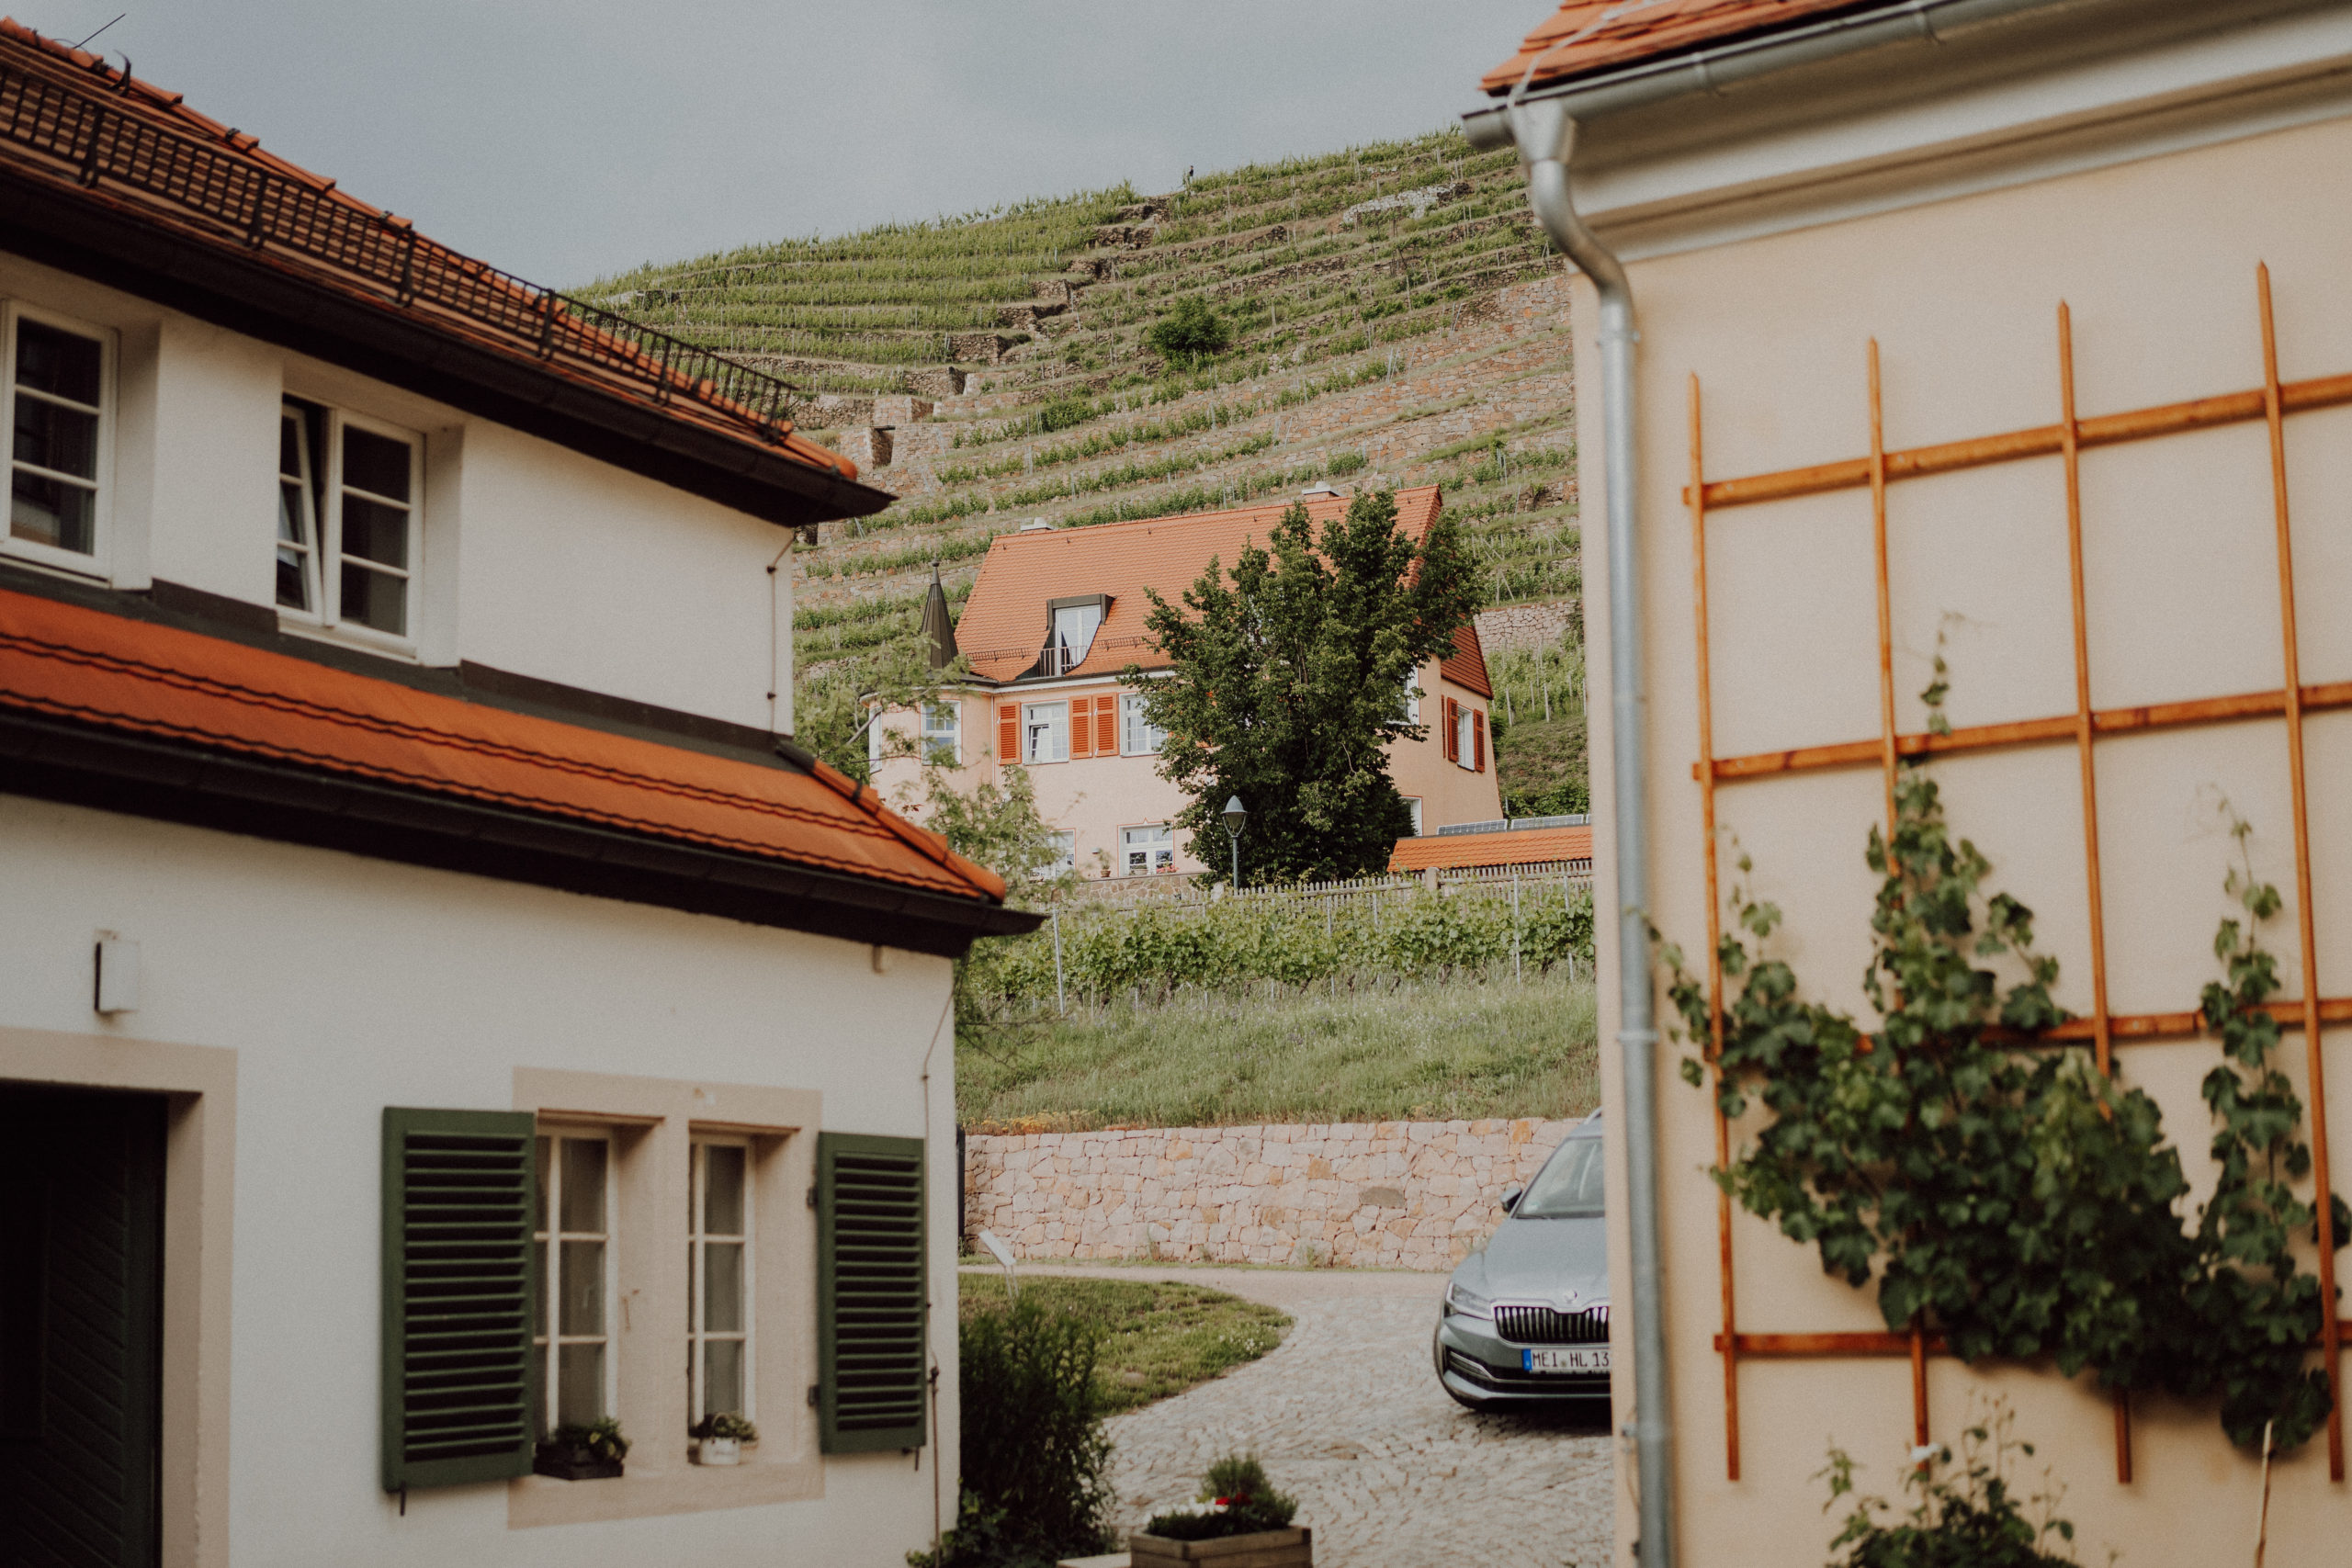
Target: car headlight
[1469,1304]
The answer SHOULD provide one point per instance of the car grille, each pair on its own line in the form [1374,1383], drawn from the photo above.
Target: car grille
[1542,1325]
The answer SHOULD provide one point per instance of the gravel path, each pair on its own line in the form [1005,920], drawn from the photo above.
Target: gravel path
[1350,1420]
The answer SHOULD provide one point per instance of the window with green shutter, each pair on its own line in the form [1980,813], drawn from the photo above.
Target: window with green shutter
[457,1293]
[872,1292]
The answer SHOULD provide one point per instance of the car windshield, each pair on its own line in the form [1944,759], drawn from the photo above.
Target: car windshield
[1568,1184]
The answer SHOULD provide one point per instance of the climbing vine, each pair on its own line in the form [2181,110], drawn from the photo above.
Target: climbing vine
[2000,1191]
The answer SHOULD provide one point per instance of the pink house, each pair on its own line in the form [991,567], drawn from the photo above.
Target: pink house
[1058,614]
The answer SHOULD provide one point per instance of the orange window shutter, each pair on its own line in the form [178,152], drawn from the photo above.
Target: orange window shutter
[1081,731]
[1479,734]
[1453,734]
[1008,732]
[1106,727]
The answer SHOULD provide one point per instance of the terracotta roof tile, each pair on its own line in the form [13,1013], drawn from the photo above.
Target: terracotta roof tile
[52,96]
[1525,846]
[1587,36]
[85,667]
[1466,665]
[1003,626]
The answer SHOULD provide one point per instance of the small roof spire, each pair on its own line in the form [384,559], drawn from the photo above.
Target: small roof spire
[938,630]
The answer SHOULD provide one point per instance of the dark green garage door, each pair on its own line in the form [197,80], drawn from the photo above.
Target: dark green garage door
[81,1293]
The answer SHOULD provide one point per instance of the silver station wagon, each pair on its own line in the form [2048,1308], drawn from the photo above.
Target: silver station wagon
[1526,1317]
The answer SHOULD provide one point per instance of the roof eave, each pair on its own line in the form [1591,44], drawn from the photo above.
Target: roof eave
[1712,66]
[90,766]
[279,305]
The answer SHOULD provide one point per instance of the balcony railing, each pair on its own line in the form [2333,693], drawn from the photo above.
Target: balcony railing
[91,132]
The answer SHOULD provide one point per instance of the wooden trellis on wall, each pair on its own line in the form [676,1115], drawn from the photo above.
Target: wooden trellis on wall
[2270,403]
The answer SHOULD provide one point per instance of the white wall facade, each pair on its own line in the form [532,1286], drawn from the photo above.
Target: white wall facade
[536,560]
[345,984]
[1766,268]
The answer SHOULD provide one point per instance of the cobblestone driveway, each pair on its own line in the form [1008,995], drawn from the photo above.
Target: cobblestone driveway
[1350,1420]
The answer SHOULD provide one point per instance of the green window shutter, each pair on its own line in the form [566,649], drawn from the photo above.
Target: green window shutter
[872,1293]
[458,1187]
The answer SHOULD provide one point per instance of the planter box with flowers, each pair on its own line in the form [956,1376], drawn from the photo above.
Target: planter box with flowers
[1239,1522]
[720,1440]
[582,1453]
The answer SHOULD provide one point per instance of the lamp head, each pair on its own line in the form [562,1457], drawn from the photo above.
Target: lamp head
[1234,814]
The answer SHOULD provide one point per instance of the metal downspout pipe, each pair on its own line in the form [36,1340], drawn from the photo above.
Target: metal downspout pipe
[1545,136]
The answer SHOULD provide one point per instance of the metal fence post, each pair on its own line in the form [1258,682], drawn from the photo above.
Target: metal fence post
[1061,998]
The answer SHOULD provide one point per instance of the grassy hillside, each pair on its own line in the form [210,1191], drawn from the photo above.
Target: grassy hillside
[1461,1048]
[1371,341]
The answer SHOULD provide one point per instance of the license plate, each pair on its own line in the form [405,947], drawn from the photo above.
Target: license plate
[1583,1359]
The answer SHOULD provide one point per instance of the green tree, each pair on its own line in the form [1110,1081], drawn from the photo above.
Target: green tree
[1288,684]
[1191,331]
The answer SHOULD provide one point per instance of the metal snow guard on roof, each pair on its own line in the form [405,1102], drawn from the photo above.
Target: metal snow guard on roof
[1514,824]
[108,143]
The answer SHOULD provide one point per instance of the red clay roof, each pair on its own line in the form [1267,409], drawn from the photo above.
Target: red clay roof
[27,57]
[1466,665]
[1587,36]
[1526,846]
[1003,628]
[84,666]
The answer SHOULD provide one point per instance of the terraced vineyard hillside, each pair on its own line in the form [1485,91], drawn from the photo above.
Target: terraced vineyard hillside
[1392,314]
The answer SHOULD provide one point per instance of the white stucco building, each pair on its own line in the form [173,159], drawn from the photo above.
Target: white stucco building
[437,1002]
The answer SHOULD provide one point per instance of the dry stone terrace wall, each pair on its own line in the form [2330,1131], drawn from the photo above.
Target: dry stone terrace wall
[1360,1194]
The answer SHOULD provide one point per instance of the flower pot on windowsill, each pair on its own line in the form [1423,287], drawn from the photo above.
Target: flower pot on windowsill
[719,1451]
[582,1453]
[1292,1548]
[573,1462]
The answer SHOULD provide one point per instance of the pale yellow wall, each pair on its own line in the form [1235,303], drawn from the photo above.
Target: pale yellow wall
[2157,259]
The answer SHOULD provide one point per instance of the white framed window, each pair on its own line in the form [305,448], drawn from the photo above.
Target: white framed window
[1413,697]
[1064,854]
[719,1281]
[1148,849]
[350,524]
[1139,737]
[58,381]
[1071,636]
[574,1321]
[1045,732]
[1413,802]
[1465,737]
[943,733]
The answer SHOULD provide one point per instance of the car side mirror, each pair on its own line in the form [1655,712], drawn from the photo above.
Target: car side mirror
[1511,1195]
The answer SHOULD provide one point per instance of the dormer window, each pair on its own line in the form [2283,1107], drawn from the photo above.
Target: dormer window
[1069,632]
[56,389]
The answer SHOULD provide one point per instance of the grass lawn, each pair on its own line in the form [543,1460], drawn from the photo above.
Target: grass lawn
[1159,1339]
[1463,1049]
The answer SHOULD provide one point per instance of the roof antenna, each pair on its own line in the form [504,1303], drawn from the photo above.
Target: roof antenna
[84,42]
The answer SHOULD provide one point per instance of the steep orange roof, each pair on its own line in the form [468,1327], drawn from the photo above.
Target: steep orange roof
[109,672]
[1466,665]
[1003,628]
[84,130]
[1587,36]
[1524,846]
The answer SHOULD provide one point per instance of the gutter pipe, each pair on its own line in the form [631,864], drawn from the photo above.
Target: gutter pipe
[1543,128]
[1546,138]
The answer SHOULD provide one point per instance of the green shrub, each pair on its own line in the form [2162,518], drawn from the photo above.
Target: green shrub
[1035,1460]
[1970,1520]
[1237,1500]
[1344,463]
[1191,331]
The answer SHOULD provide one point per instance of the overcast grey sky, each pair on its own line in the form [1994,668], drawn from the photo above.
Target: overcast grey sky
[566,139]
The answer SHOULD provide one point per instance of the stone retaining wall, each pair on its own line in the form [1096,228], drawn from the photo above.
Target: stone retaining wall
[1366,1194]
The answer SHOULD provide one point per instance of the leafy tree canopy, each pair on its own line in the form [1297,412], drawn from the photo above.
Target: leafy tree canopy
[1191,331]
[1288,684]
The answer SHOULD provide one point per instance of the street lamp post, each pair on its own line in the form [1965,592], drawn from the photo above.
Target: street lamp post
[1234,817]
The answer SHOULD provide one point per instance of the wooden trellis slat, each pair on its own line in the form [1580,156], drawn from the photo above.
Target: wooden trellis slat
[2066,440]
